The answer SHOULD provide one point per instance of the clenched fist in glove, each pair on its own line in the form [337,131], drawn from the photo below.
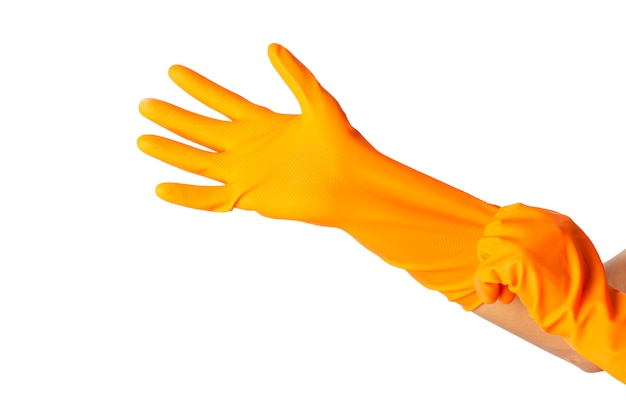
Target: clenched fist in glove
[316,168]
[549,262]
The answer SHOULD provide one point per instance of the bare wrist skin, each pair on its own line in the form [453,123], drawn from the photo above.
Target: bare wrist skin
[615,269]
[514,318]
[396,203]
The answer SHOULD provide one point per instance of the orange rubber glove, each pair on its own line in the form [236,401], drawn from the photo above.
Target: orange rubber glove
[316,168]
[549,262]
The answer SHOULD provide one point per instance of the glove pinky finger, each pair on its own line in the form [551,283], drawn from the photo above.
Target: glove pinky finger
[210,198]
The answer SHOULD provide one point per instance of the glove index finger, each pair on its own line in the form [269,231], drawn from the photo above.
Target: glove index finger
[213,95]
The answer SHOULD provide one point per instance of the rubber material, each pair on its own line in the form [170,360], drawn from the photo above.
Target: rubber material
[316,168]
[549,262]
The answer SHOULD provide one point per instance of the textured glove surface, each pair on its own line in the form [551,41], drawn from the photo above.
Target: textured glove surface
[549,262]
[281,165]
[315,167]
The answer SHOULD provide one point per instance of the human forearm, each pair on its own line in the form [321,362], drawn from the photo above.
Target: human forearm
[515,319]
[316,168]
[414,192]
[413,221]
[417,223]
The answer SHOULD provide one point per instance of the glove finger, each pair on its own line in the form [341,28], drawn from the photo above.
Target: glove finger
[298,78]
[213,95]
[488,292]
[183,156]
[487,281]
[212,133]
[488,278]
[506,295]
[213,198]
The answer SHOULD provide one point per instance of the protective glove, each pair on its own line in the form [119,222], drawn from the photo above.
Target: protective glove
[315,167]
[549,262]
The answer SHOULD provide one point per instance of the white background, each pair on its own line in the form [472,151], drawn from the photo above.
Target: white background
[115,303]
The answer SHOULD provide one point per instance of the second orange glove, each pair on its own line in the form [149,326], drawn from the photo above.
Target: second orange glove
[549,262]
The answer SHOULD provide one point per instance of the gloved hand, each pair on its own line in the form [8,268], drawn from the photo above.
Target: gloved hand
[316,168]
[549,262]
